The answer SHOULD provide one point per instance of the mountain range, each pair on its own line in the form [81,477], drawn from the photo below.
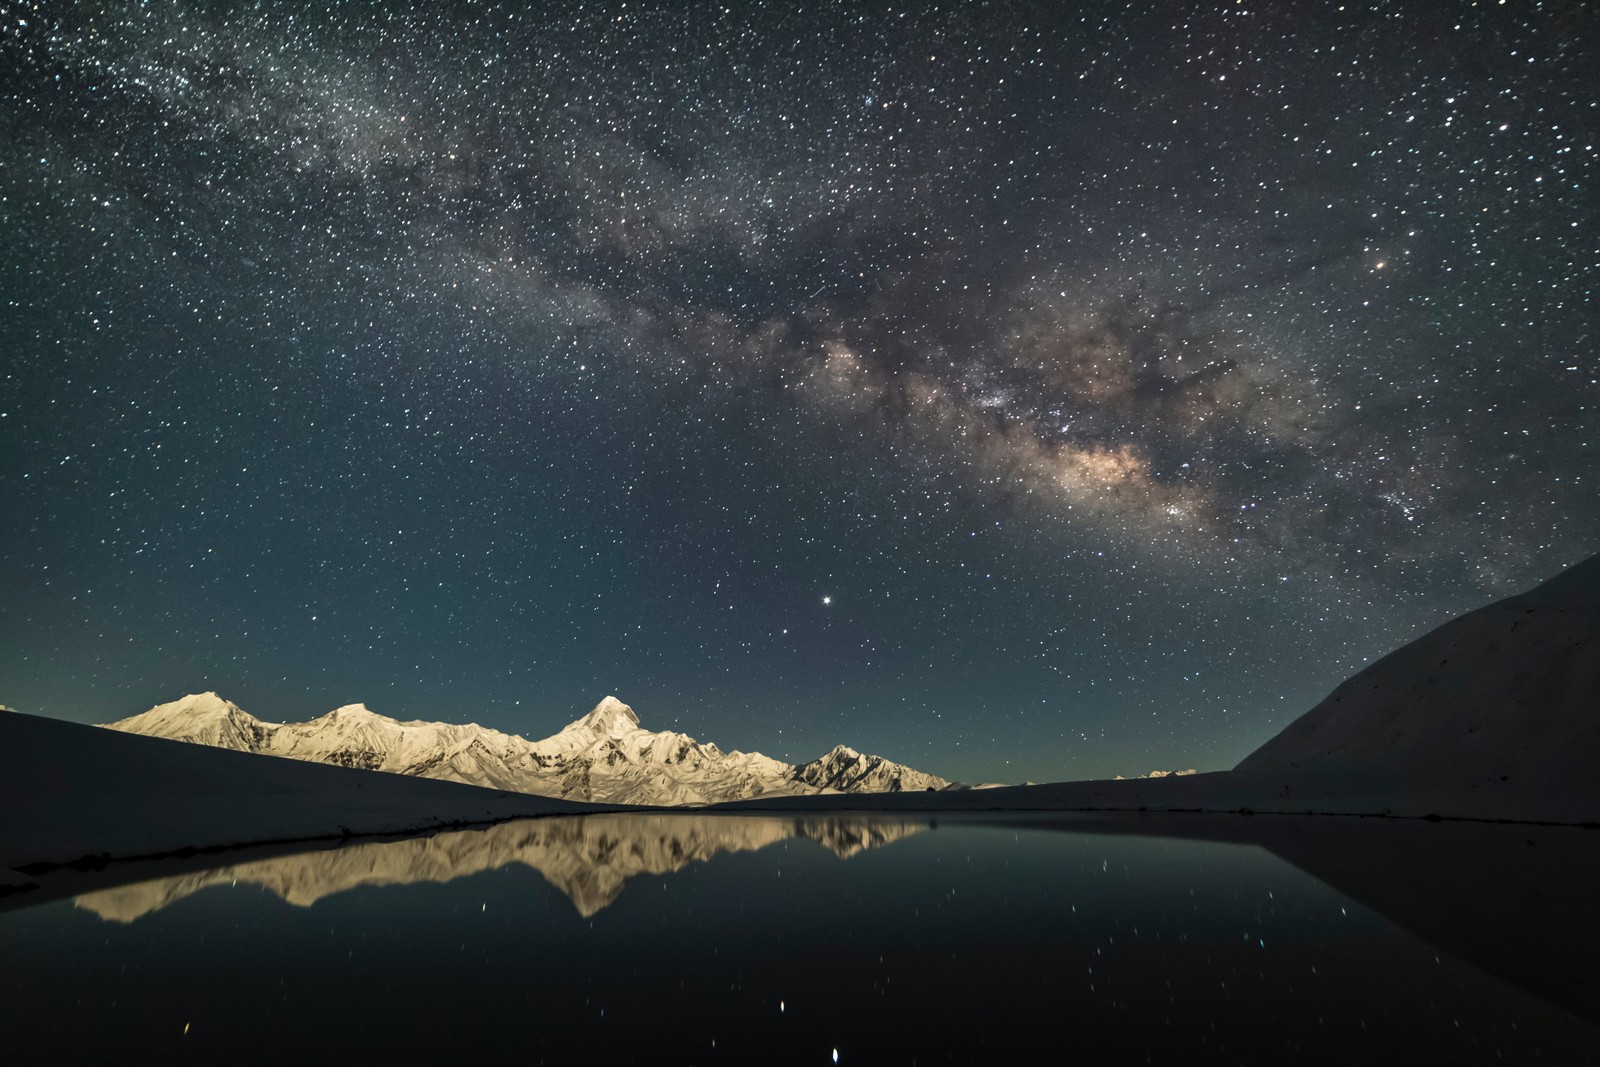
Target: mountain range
[604,757]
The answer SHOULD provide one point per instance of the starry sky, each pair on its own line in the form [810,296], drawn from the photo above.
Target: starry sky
[1021,391]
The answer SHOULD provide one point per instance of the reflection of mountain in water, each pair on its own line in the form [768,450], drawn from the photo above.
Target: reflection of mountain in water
[588,858]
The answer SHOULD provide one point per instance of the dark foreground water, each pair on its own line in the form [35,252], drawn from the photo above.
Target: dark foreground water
[745,939]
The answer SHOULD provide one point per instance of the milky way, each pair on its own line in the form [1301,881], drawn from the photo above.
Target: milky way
[1123,378]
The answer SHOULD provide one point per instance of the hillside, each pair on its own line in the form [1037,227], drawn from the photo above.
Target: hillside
[69,791]
[1504,699]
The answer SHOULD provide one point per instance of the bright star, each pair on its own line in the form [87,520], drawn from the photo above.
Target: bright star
[827,600]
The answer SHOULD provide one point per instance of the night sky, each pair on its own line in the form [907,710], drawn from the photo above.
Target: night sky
[1019,391]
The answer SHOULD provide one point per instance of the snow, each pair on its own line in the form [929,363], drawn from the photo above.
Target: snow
[845,770]
[1494,715]
[1159,774]
[68,791]
[604,756]
[1491,716]
[1504,698]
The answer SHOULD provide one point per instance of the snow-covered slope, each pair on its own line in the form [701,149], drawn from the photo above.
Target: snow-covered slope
[844,770]
[1494,715]
[1505,699]
[68,791]
[605,756]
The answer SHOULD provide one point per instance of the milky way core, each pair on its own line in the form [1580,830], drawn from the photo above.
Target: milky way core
[1019,390]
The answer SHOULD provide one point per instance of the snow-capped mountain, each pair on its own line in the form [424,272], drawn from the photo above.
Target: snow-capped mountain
[844,770]
[606,756]
[1159,774]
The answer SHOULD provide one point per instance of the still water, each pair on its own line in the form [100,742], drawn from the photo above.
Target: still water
[698,938]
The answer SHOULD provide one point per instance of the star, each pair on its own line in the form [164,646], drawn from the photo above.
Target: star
[548,339]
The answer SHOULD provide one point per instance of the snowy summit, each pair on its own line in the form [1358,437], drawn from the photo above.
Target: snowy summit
[606,756]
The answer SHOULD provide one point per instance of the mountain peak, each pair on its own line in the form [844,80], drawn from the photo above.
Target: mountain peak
[604,756]
[194,705]
[203,718]
[610,718]
[845,770]
[352,711]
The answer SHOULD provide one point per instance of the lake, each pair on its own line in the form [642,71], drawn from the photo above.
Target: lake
[662,938]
